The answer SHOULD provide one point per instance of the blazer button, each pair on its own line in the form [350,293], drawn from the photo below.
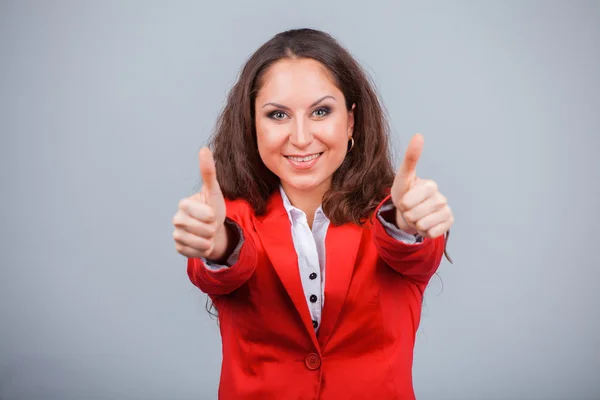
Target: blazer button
[313,361]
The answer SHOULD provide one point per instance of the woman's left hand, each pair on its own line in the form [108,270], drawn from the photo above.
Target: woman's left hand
[420,207]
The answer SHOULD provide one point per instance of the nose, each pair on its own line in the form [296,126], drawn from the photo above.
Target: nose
[300,135]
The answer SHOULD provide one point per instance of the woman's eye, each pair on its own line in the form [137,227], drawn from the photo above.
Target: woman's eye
[321,112]
[278,115]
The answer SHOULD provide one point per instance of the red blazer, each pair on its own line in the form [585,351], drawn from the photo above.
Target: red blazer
[364,346]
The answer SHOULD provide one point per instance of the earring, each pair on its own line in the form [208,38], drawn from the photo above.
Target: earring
[351,145]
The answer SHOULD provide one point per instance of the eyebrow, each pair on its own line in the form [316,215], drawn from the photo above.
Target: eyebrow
[287,108]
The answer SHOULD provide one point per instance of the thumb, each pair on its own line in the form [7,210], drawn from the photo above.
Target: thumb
[407,172]
[208,172]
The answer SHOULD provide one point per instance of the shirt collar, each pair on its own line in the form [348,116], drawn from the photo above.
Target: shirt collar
[294,211]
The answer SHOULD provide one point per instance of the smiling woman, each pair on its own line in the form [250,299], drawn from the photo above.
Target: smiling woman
[314,253]
[304,85]
[302,140]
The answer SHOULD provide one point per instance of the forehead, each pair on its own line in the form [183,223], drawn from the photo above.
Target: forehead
[297,80]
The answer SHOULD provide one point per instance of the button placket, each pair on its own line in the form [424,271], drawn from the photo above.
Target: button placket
[312,286]
[308,248]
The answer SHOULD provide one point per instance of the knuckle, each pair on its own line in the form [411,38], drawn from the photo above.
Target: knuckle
[404,203]
[183,203]
[442,200]
[177,219]
[211,231]
[432,185]
[177,235]
[199,243]
[203,213]
[206,246]
[448,212]
[210,214]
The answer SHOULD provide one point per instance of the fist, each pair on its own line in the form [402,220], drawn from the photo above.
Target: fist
[199,220]
[420,207]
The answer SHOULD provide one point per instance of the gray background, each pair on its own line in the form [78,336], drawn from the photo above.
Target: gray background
[104,105]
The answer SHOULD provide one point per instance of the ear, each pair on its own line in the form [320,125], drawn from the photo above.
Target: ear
[351,121]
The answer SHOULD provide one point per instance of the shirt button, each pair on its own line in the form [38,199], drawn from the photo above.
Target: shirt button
[315,324]
[313,298]
[313,361]
[313,276]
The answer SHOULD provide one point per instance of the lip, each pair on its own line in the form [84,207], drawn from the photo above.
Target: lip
[302,155]
[306,164]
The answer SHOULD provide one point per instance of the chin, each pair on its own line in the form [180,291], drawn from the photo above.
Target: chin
[307,183]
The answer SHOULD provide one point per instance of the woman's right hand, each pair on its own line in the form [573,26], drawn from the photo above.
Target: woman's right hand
[200,219]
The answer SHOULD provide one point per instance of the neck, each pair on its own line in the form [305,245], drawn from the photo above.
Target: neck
[307,200]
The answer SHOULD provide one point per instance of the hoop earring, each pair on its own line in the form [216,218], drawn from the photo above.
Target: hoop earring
[351,145]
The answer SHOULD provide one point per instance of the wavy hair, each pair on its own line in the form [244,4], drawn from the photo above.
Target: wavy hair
[359,184]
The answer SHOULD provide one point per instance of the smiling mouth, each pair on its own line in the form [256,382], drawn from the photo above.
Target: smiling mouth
[304,159]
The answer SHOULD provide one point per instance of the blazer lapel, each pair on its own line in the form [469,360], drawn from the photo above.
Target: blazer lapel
[274,230]
[341,247]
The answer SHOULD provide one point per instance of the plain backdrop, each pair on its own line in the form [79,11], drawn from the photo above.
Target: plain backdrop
[104,106]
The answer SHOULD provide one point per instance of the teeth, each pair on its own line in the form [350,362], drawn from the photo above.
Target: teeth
[304,159]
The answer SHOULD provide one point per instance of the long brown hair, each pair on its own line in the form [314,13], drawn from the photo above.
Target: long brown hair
[366,173]
[361,181]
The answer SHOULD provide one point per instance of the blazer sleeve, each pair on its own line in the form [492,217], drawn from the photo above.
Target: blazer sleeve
[220,281]
[417,261]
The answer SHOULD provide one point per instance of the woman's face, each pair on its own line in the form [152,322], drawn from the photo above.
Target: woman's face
[302,124]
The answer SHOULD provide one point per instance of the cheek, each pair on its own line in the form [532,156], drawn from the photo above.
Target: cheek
[335,136]
[270,141]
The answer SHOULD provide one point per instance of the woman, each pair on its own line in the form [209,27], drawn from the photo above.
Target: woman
[314,252]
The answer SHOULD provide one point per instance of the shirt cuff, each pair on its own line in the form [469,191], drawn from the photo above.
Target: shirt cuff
[391,228]
[233,258]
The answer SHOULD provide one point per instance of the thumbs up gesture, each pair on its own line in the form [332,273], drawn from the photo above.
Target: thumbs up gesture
[420,207]
[199,221]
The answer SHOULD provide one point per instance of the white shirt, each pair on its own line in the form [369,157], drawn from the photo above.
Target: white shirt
[310,248]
